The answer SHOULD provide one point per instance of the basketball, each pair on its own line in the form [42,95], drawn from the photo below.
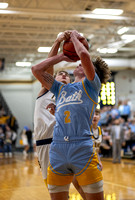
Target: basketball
[69,50]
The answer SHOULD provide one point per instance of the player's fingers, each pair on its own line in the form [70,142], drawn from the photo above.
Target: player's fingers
[50,105]
[67,35]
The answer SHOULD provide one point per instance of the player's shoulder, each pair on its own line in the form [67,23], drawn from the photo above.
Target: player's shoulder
[45,94]
[42,91]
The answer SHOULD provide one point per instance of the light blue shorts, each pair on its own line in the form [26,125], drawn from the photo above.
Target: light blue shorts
[73,158]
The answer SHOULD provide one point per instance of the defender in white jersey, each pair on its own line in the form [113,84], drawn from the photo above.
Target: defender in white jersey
[44,123]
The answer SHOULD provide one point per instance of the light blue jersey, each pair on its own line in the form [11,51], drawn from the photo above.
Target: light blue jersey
[75,106]
[71,152]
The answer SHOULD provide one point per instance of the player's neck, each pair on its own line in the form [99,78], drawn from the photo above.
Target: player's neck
[94,126]
[79,79]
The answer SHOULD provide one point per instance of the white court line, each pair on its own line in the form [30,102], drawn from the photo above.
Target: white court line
[119,185]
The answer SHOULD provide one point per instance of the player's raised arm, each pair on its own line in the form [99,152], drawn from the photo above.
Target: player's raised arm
[54,50]
[39,70]
[83,54]
[44,70]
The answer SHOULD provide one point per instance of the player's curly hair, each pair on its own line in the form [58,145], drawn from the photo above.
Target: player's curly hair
[102,69]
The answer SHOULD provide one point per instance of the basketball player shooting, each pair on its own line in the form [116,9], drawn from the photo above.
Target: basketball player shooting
[71,152]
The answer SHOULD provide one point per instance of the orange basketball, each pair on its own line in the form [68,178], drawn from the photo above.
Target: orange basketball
[69,50]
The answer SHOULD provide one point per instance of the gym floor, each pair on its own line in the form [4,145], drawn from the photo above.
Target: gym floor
[21,179]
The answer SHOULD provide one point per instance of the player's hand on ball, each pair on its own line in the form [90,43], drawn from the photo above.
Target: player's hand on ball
[76,34]
[63,36]
[66,35]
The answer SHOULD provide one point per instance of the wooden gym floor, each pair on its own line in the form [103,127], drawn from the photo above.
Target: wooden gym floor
[20,179]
